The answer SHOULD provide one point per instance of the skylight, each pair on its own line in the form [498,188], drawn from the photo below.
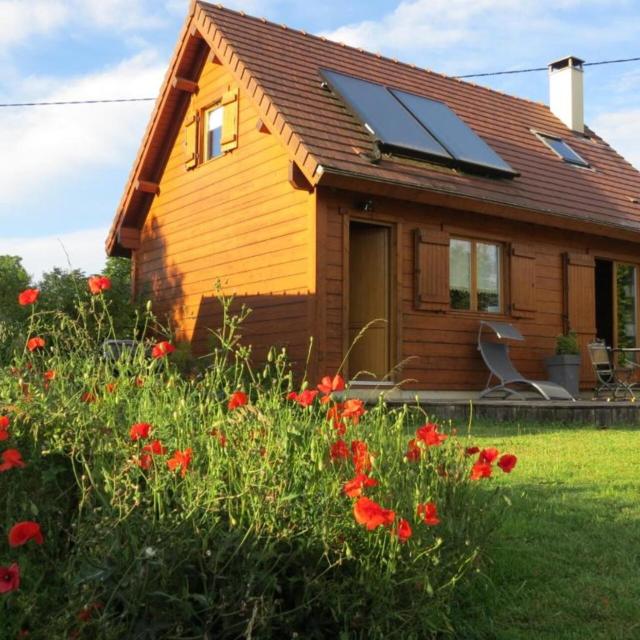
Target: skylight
[408,124]
[561,148]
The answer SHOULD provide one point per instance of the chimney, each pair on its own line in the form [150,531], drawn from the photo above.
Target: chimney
[566,95]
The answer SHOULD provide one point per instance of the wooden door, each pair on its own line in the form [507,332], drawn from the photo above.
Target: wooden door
[369,300]
[580,306]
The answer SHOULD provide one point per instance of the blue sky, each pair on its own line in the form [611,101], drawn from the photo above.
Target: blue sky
[63,168]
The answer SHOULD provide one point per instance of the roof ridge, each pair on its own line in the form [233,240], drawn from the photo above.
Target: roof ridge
[377,55]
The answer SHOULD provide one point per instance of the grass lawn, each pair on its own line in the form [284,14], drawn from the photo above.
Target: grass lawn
[566,563]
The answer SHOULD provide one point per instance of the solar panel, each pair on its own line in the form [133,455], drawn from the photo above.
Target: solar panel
[452,133]
[384,116]
[563,150]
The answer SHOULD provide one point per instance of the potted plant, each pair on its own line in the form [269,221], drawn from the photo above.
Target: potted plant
[564,367]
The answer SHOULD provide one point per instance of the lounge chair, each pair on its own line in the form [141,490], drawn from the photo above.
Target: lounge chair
[616,381]
[496,357]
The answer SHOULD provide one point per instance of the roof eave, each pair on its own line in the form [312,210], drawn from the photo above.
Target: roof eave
[416,192]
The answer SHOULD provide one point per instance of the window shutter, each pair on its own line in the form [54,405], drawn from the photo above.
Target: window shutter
[431,269]
[229,139]
[522,268]
[580,305]
[191,142]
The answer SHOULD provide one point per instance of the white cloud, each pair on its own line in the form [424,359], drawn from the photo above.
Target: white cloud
[79,249]
[44,145]
[119,14]
[621,129]
[21,19]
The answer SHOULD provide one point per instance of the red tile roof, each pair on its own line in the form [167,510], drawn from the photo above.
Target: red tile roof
[279,67]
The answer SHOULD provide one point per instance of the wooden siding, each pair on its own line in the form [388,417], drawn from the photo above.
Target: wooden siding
[438,350]
[235,219]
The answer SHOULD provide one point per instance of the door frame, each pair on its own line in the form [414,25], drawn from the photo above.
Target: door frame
[614,288]
[395,286]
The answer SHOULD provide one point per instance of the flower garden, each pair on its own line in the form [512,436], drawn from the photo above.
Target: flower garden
[143,501]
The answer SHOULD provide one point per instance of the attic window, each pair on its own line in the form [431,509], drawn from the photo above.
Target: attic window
[562,149]
[213,132]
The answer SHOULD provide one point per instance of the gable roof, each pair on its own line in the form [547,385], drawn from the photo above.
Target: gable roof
[279,68]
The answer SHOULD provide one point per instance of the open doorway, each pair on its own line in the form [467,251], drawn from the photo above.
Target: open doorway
[616,303]
[369,300]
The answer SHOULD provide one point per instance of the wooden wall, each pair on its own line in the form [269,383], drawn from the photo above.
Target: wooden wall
[440,347]
[235,219]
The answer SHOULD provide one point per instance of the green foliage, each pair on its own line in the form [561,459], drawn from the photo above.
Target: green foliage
[13,280]
[63,292]
[256,539]
[567,344]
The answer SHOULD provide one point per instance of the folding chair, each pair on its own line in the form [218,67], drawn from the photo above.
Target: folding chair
[610,378]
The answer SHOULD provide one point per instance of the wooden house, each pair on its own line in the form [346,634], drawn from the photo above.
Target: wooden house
[326,187]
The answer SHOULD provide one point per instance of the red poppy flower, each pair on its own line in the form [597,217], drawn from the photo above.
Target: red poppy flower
[353,408]
[87,612]
[339,450]
[35,343]
[481,470]
[28,296]
[329,385]
[49,375]
[404,530]
[292,395]
[9,578]
[4,435]
[4,422]
[22,532]
[471,451]
[11,458]
[428,512]
[237,399]
[139,430]
[507,462]
[144,461]
[110,387]
[361,457]
[98,284]
[219,436]
[162,349]
[371,515]
[139,382]
[180,460]
[334,416]
[413,451]
[430,436]
[305,398]
[353,488]
[88,397]
[488,455]
[155,447]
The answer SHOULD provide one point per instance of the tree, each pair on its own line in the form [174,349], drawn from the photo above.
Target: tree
[13,279]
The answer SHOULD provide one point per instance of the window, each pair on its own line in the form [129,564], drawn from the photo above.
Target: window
[213,132]
[475,275]
[561,148]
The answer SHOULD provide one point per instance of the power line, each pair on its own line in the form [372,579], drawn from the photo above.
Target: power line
[67,102]
[469,75]
[502,73]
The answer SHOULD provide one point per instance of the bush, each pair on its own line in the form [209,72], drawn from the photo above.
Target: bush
[217,506]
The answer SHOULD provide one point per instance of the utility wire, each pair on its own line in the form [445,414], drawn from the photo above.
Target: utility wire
[502,73]
[66,102]
[469,75]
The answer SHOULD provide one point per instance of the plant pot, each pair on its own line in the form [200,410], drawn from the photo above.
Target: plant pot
[565,371]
